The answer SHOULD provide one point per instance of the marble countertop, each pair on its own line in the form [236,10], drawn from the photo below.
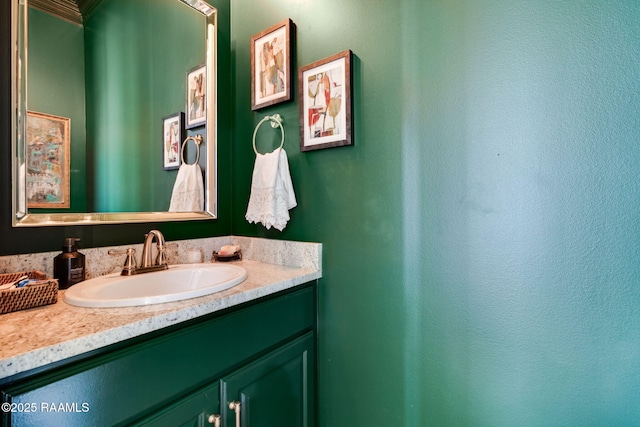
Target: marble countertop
[34,338]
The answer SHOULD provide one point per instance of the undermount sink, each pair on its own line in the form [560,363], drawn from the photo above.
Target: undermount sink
[177,283]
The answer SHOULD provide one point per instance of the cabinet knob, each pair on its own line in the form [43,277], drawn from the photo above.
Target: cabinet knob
[214,419]
[235,406]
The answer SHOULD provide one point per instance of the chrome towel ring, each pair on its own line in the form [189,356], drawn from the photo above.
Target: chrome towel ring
[198,140]
[276,120]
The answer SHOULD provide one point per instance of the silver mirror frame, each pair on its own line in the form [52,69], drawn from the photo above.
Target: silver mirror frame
[21,216]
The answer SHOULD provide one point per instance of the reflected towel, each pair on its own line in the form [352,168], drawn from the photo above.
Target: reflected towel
[271,191]
[188,190]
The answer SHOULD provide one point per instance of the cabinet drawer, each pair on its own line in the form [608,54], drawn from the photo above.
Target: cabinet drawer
[120,384]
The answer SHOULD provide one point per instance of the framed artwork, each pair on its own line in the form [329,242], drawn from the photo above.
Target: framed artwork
[196,93]
[48,160]
[172,137]
[271,65]
[325,103]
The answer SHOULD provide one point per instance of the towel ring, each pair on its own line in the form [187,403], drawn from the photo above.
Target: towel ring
[198,140]
[276,121]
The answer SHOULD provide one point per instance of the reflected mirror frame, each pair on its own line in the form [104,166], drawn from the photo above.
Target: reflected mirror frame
[21,216]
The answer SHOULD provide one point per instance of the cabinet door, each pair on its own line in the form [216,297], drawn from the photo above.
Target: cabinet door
[275,390]
[193,410]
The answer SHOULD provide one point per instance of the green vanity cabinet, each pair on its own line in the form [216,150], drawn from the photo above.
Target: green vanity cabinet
[261,354]
[275,390]
[193,410]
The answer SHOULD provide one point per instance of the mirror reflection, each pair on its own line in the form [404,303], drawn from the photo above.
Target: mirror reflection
[104,117]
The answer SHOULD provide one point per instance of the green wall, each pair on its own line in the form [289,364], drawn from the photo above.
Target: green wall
[481,237]
[57,55]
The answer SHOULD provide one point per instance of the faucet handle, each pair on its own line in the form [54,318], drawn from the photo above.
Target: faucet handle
[161,257]
[130,265]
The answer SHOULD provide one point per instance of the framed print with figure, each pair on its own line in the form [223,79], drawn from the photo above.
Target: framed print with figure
[48,160]
[271,65]
[196,93]
[172,136]
[325,103]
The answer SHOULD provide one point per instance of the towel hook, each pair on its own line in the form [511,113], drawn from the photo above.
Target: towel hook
[276,120]
[198,140]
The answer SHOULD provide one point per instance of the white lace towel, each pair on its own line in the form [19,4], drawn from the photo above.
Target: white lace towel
[188,190]
[271,191]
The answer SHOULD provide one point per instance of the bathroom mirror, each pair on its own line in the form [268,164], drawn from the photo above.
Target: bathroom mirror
[121,136]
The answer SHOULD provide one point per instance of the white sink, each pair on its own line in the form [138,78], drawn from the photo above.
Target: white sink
[177,283]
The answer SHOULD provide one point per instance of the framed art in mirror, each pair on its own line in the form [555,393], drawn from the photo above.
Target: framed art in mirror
[172,136]
[196,96]
[271,65]
[48,160]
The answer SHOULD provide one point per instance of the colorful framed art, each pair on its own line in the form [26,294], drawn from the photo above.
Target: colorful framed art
[325,91]
[271,65]
[196,97]
[48,161]
[172,137]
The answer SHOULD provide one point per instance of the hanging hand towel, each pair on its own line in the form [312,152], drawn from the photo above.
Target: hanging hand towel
[271,191]
[188,190]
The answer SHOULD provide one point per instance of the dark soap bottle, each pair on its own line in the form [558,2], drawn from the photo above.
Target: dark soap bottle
[68,267]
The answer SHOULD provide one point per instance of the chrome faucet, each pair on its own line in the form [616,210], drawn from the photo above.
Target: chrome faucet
[160,262]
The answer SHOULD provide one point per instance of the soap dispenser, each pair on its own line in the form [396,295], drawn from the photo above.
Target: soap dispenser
[68,267]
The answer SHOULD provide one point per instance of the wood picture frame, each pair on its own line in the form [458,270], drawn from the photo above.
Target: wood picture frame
[196,114]
[48,161]
[326,108]
[271,65]
[172,137]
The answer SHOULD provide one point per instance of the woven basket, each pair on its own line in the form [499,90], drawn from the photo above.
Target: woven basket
[27,296]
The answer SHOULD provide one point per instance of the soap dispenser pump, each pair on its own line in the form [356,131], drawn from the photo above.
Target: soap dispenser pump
[68,267]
